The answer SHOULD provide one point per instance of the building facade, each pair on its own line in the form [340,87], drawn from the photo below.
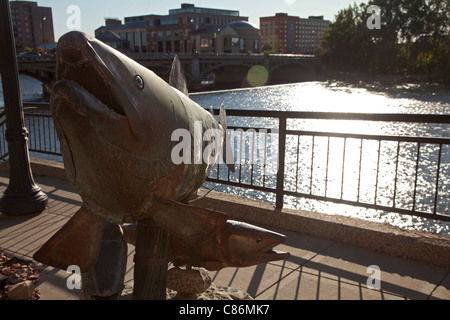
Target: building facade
[33,25]
[236,37]
[188,29]
[290,34]
[129,37]
[311,33]
[280,33]
[181,31]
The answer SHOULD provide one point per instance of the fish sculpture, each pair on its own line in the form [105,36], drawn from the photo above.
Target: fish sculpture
[236,245]
[115,120]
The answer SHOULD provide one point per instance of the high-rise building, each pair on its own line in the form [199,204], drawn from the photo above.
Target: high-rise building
[33,25]
[280,33]
[290,34]
[311,33]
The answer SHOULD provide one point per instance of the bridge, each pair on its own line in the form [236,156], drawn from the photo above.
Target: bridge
[224,70]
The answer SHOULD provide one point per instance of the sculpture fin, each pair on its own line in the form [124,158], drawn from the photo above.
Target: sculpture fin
[177,78]
[76,243]
[227,153]
[190,225]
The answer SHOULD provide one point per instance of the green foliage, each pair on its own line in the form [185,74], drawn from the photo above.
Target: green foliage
[414,38]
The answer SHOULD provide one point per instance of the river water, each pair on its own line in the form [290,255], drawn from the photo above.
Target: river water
[337,96]
[362,97]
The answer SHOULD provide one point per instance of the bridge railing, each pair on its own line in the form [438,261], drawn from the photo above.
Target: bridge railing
[224,56]
[275,156]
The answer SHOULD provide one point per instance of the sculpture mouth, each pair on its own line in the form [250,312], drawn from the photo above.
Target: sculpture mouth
[273,255]
[104,73]
[78,62]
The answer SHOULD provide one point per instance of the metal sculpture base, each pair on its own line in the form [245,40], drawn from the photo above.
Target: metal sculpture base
[151,262]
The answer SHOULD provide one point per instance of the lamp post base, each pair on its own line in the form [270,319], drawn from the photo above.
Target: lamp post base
[19,206]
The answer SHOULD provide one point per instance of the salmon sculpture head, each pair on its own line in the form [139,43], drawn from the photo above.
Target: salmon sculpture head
[115,120]
[236,245]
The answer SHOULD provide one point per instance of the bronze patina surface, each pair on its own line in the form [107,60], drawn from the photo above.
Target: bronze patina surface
[236,245]
[115,120]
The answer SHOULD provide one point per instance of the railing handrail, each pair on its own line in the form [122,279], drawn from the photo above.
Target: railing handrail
[282,117]
[382,117]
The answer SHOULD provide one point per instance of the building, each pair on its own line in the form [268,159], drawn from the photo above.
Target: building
[189,29]
[311,33]
[114,40]
[290,34]
[33,25]
[236,37]
[128,37]
[280,33]
[185,30]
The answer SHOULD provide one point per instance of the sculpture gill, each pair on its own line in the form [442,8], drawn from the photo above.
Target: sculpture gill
[114,119]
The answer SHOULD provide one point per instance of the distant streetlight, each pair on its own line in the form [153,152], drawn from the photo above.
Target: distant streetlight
[23,196]
[44,18]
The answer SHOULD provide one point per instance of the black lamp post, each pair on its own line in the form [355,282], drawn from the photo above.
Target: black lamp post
[23,196]
[44,18]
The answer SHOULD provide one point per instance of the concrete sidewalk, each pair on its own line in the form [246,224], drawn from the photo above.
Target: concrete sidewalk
[318,269]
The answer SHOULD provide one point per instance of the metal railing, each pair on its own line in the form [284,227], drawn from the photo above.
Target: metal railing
[42,134]
[408,174]
[393,173]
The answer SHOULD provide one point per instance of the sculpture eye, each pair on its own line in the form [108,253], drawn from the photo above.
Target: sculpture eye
[259,241]
[139,82]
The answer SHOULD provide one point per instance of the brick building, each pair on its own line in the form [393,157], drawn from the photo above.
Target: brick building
[184,30]
[290,34]
[33,25]
[175,32]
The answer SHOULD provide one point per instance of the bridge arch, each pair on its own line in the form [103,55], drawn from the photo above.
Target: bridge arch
[228,74]
[207,71]
[35,75]
[47,80]
[291,72]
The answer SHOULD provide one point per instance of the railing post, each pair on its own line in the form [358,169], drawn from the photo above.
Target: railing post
[23,196]
[281,162]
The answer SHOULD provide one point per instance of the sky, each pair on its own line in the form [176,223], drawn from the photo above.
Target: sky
[93,12]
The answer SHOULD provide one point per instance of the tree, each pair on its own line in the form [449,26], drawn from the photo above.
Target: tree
[346,43]
[414,37]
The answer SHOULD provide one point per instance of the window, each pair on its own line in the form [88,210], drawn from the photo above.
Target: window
[206,43]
